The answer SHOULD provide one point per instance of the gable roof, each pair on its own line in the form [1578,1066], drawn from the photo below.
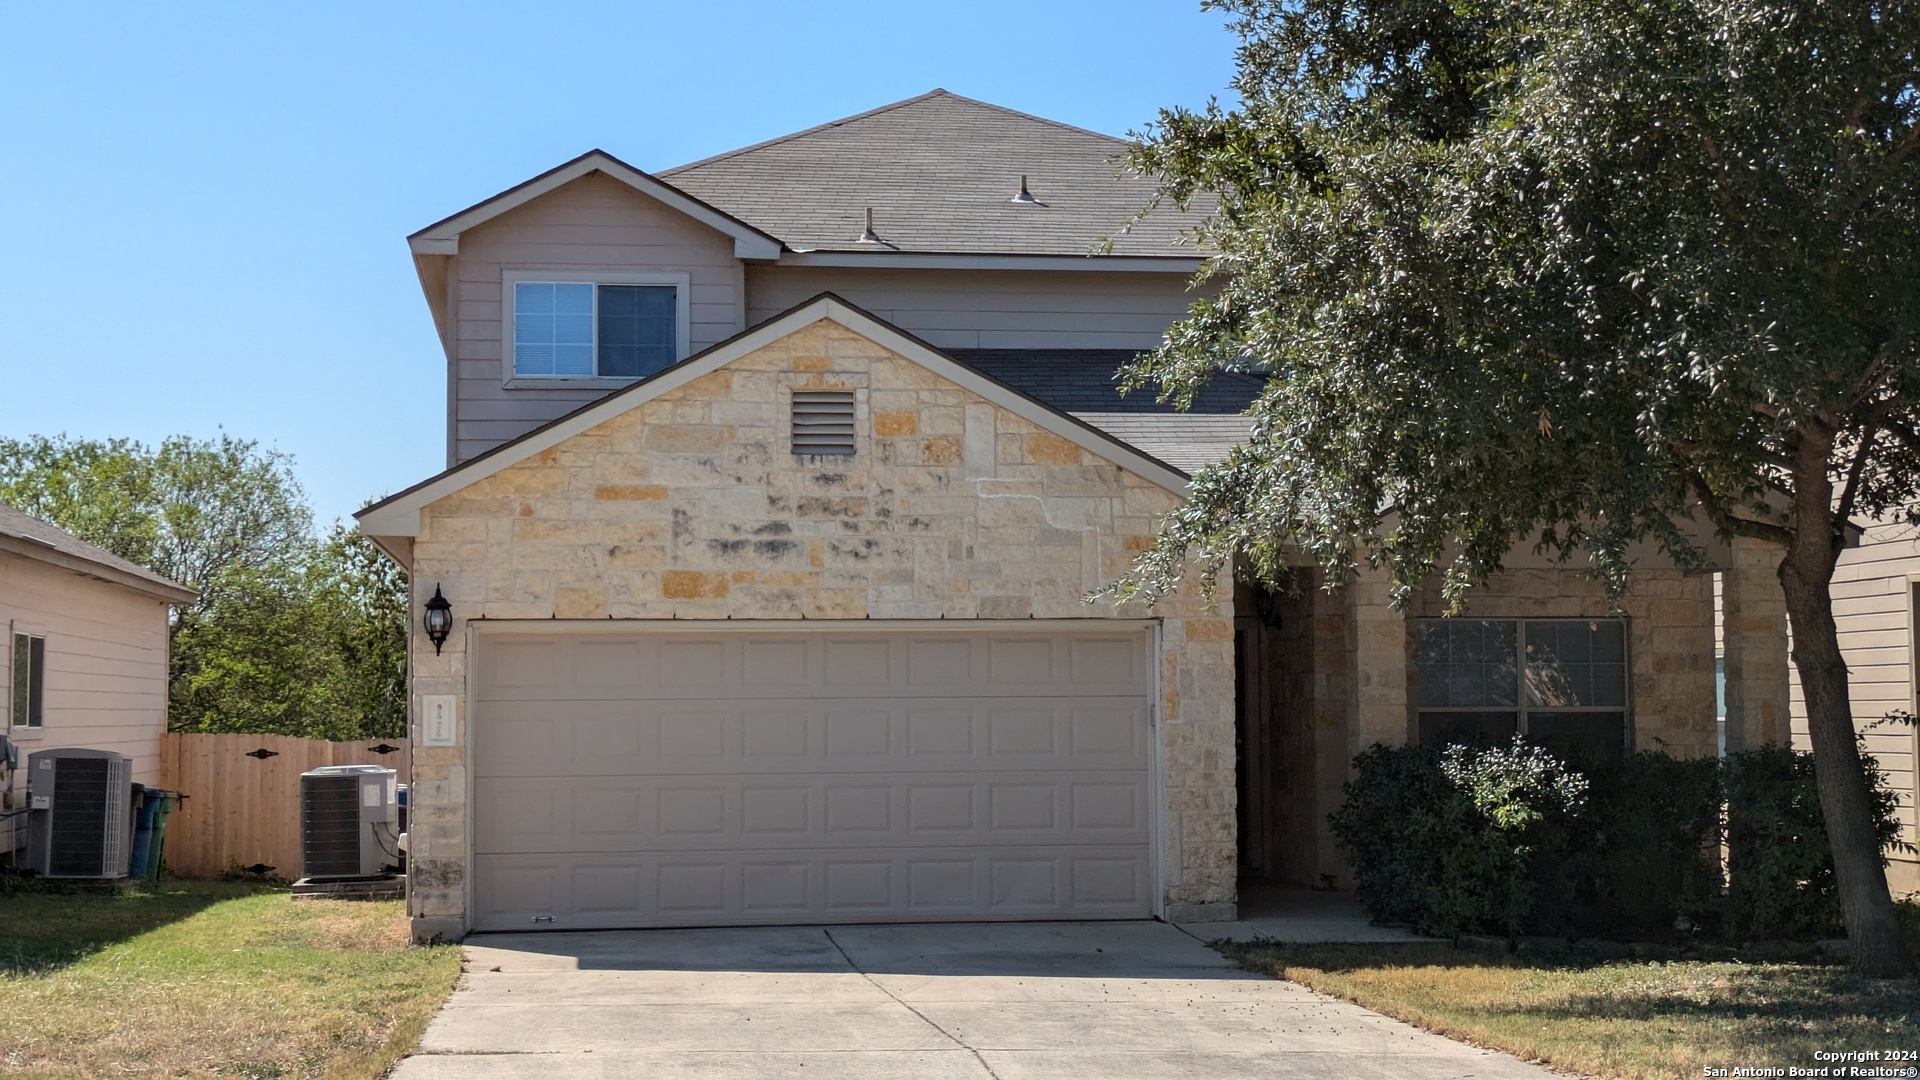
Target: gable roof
[28,536]
[443,236]
[398,515]
[940,172]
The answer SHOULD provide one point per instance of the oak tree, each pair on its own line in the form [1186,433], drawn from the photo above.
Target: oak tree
[1568,273]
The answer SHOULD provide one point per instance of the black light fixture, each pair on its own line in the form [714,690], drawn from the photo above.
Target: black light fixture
[439,620]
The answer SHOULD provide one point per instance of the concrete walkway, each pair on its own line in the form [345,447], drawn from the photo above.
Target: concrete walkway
[1299,916]
[1010,1001]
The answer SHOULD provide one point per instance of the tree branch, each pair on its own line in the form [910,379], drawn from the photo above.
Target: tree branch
[1850,490]
[1724,519]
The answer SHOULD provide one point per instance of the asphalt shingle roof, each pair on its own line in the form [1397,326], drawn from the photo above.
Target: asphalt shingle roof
[23,526]
[1080,383]
[939,172]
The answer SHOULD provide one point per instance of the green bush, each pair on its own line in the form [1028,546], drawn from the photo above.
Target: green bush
[1398,809]
[1508,840]
[1447,841]
[1780,881]
[1645,854]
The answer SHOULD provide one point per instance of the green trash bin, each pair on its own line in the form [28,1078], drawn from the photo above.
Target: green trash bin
[168,801]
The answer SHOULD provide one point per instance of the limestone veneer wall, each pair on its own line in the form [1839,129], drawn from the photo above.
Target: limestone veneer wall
[691,506]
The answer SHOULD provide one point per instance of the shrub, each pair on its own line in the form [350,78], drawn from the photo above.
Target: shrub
[1397,811]
[1780,880]
[1508,840]
[1447,841]
[1523,800]
[1645,853]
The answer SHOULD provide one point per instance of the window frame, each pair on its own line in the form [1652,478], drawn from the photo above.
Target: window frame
[1521,709]
[36,689]
[512,380]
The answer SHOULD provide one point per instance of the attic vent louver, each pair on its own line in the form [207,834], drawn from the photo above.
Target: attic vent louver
[823,422]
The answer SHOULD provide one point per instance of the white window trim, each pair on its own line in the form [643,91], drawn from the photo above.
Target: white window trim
[683,312]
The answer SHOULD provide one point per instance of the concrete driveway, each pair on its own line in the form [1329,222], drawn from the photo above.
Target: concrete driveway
[1012,1001]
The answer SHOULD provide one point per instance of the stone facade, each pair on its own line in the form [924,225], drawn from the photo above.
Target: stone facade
[1347,679]
[1754,626]
[691,506]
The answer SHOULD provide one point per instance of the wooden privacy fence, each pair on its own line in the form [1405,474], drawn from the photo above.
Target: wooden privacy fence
[242,805]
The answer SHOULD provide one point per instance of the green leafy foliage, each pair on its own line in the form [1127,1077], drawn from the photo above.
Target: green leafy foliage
[1522,799]
[1397,813]
[292,634]
[1446,841]
[1547,271]
[1781,880]
[1644,857]
[1507,840]
[1564,275]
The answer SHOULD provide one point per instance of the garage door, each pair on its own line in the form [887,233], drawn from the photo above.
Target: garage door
[721,777]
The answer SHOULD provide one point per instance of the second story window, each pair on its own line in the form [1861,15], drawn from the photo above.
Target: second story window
[587,330]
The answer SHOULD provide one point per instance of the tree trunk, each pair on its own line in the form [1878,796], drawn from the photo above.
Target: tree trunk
[1806,576]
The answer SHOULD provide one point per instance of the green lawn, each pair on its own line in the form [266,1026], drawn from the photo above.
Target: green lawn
[199,978]
[1629,1019]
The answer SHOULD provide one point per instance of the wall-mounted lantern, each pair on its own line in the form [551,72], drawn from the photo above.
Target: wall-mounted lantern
[439,620]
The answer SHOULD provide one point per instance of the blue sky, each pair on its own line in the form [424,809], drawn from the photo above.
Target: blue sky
[205,205]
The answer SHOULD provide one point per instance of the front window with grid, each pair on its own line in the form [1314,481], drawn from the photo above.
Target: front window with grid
[582,330]
[1562,683]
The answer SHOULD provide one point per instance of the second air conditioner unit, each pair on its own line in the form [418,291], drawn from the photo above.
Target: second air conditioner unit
[79,813]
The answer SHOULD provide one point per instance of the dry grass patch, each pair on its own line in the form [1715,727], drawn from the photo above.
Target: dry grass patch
[210,979]
[1628,1019]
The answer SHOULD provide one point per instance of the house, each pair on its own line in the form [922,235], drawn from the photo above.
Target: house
[86,657]
[776,483]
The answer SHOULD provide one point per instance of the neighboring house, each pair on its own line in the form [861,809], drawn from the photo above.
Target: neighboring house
[1876,603]
[775,484]
[86,653]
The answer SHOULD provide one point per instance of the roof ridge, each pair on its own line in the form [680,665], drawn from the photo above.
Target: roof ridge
[16,522]
[1040,119]
[936,92]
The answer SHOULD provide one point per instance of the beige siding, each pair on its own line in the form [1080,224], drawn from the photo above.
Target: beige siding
[594,223]
[106,680]
[1871,604]
[990,309]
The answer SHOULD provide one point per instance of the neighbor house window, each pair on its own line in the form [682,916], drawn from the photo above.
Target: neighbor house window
[29,672]
[1562,683]
[587,330]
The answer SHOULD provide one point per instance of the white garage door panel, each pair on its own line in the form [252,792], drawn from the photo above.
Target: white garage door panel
[529,815]
[619,738]
[665,778]
[695,666]
[800,885]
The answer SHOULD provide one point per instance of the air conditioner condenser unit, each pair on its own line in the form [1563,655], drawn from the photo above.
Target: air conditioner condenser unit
[79,813]
[349,821]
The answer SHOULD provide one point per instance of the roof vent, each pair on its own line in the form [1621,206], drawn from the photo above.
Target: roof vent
[823,422]
[867,235]
[1025,198]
